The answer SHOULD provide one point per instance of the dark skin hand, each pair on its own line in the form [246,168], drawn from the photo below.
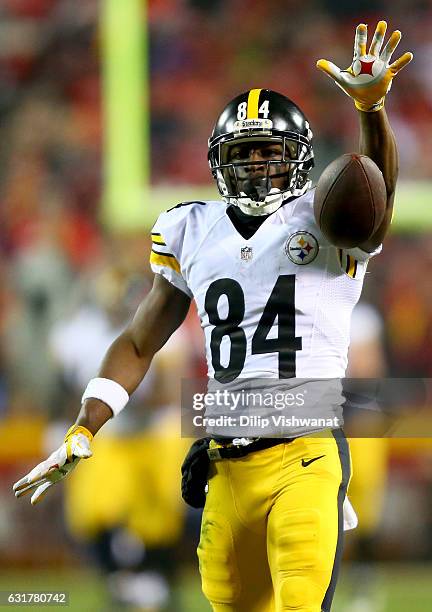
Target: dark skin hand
[127,360]
[377,141]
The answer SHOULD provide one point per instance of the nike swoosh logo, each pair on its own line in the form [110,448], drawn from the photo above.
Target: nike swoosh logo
[306,462]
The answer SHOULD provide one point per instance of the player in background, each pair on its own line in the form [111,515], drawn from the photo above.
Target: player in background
[275,301]
[130,516]
[369,456]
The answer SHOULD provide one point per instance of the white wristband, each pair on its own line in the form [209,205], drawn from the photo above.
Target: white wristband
[107,391]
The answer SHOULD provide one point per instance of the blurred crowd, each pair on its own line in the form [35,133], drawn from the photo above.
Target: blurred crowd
[54,251]
[201,53]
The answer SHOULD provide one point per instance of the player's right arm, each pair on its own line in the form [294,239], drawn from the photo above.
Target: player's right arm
[125,364]
[128,358]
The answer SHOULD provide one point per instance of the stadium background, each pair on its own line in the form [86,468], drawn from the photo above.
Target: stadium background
[56,242]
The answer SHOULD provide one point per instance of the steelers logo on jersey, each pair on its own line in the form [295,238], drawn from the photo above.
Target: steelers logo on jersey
[301,248]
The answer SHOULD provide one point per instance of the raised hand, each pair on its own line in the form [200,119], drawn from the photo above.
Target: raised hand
[370,76]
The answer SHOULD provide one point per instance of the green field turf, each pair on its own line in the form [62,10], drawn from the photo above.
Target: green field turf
[401,589]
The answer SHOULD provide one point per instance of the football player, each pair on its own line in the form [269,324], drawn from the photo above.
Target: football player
[130,535]
[275,299]
[370,461]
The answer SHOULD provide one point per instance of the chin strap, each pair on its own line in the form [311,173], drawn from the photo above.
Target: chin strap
[272,202]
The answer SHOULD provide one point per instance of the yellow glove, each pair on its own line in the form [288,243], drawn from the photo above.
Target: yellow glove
[369,78]
[76,446]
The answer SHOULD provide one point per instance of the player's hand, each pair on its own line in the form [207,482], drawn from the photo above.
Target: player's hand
[76,446]
[370,76]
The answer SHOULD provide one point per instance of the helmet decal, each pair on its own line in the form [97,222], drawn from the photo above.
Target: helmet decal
[264,124]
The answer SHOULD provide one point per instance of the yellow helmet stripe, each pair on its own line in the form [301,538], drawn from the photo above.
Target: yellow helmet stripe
[252,105]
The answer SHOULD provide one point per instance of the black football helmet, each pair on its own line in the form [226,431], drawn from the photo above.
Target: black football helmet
[261,115]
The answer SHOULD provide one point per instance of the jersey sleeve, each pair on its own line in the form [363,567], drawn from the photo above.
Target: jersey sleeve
[354,261]
[167,250]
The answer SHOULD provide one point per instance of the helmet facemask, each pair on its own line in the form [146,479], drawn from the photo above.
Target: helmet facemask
[260,187]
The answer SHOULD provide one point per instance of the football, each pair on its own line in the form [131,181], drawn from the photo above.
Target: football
[350,200]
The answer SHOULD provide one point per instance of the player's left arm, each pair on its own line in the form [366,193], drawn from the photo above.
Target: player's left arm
[367,81]
[377,141]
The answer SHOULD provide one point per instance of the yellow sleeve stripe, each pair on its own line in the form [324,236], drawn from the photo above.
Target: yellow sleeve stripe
[164,259]
[252,106]
[351,267]
[157,239]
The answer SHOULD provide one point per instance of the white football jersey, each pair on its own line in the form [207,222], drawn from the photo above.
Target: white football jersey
[277,305]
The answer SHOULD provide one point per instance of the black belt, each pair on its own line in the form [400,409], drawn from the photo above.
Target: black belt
[235,451]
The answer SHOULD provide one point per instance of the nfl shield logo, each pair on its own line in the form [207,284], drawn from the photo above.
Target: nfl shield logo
[246,253]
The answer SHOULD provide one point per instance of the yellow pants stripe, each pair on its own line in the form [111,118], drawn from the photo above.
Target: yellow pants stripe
[345,463]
